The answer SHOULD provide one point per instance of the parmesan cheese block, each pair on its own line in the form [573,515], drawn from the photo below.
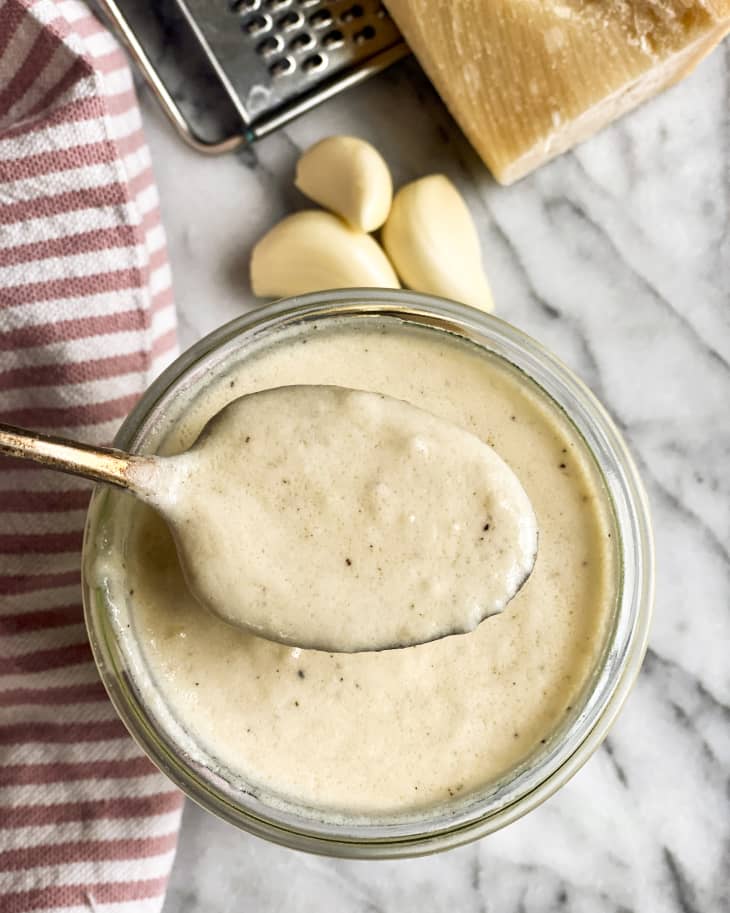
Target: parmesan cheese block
[528,79]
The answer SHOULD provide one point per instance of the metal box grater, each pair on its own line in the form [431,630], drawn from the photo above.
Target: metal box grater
[275,59]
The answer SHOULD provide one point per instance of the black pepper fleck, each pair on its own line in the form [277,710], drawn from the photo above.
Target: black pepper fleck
[486,527]
[300,673]
[562,466]
[348,562]
[248,438]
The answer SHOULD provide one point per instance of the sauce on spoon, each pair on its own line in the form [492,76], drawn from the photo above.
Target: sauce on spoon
[346,521]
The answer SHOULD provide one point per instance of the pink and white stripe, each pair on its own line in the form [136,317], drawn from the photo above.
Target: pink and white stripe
[86,321]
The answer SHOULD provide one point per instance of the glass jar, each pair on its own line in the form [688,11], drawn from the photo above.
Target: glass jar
[529,784]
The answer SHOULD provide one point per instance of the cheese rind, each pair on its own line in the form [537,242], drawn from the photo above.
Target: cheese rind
[526,81]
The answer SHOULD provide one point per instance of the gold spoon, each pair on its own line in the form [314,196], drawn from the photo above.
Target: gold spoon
[329,518]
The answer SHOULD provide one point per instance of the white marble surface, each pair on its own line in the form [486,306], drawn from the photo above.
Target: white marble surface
[617,256]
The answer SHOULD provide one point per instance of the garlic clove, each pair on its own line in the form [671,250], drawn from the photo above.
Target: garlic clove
[312,251]
[349,177]
[433,243]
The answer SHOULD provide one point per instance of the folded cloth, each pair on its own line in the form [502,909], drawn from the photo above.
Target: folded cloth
[86,321]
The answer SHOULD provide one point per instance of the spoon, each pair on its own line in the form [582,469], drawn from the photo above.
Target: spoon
[329,518]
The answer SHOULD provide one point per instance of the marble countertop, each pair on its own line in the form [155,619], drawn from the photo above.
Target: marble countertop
[617,256]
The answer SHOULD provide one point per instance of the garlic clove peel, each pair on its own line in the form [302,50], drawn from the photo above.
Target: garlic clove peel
[348,176]
[312,251]
[433,243]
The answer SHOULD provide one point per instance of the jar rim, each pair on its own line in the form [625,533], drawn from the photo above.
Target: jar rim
[621,661]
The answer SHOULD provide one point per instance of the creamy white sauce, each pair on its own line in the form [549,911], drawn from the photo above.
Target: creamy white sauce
[344,520]
[382,735]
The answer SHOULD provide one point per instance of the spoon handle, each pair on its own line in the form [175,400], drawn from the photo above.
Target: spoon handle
[101,464]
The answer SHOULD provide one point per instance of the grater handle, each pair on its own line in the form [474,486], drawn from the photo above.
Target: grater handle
[169,106]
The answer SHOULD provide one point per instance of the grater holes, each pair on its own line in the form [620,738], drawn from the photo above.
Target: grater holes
[321,19]
[366,34]
[290,20]
[314,64]
[271,45]
[302,42]
[354,12]
[332,40]
[282,67]
[256,25]
[245,6]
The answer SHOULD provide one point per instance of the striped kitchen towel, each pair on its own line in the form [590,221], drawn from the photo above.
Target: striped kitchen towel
[86,321]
